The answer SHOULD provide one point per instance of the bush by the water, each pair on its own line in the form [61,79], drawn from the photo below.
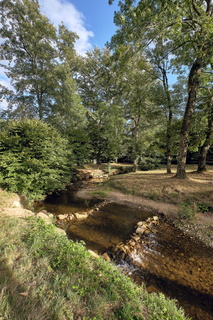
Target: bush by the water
[34,158]
[45,276]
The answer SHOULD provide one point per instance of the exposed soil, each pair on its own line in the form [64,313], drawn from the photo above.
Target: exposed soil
[11,205]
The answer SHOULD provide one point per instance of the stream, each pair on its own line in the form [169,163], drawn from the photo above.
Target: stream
[169,262]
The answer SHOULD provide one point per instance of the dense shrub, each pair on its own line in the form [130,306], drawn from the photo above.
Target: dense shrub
[34,158]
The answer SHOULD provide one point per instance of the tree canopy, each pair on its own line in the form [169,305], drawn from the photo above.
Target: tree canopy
[184,29]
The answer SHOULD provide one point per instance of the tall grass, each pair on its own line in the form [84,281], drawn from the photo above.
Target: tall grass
[45,276]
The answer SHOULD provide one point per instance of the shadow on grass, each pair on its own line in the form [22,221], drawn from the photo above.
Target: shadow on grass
[17,302]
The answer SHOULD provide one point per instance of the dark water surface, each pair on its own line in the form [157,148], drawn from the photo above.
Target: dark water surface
[171,262]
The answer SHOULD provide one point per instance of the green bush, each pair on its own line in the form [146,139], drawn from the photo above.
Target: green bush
[34,158]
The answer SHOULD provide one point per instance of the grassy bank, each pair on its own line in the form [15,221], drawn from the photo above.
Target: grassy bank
[159,186]
[44,276]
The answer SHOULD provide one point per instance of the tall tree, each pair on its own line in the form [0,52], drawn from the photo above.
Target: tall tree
[28,48]
[41,63]
[67,110]
[207,112]
[162,64]
[186,27]
[138,81]
[100,92]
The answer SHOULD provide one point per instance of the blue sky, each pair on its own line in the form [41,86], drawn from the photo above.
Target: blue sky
[92,20]
[99,18]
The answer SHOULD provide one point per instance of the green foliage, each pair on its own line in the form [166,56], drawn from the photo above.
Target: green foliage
[163,309]
[150,162]
[34,158]
[187,210]
[100,93]
[81,145]
[40,60]
[202,207]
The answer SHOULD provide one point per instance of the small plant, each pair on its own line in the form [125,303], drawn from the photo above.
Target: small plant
[152,196]
[187,210]
[202,207]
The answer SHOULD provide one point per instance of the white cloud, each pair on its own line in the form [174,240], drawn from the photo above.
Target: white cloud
[3,104]
[60,10]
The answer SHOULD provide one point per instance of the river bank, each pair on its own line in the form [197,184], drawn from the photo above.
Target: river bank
[46,276]
[115,191]
[186,203]
[177,258]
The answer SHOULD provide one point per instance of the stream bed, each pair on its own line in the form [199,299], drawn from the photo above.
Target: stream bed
[170,261]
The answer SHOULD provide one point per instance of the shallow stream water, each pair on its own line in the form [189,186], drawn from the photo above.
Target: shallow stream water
[170,262]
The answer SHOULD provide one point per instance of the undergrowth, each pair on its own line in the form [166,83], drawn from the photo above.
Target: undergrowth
[45,276]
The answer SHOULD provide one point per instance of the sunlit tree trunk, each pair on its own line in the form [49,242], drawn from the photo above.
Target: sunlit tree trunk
[193,85]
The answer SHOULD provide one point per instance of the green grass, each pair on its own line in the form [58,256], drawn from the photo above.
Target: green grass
[45,276]
[100,193]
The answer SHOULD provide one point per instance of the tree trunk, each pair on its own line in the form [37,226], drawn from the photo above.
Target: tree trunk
[40,108]
[169,134]
[135,164]
[193,85]
[207,144]
[169,119]
[136,144]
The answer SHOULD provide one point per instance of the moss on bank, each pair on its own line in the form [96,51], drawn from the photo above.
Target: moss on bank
[46,276]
